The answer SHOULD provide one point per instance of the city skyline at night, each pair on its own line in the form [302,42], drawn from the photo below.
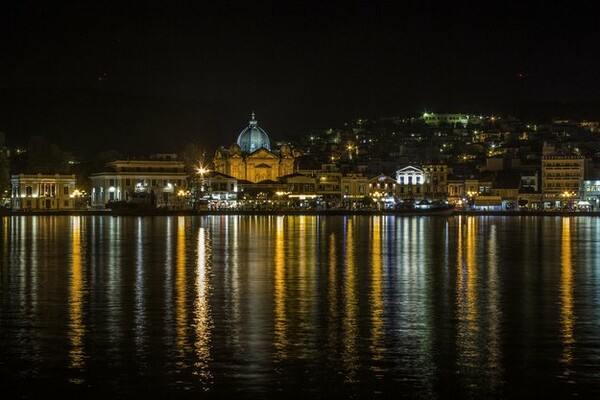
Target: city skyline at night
[91,73]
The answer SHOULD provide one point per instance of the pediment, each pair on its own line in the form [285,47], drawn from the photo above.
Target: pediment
[262,153]
[409,169]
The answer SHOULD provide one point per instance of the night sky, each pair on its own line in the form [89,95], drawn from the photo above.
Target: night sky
[160,74]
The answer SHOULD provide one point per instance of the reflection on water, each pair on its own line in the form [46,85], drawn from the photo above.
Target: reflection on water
[280,328]
[181,311]
[468,340]
[350,331]
[376,311]
[76,325]
[141,230]
[190,307]
[202,313]
[566,299]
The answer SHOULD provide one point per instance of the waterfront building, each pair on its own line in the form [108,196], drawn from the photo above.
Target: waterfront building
[43,192]
[158,180]
[301,186]
[354,188]
[260,195]
[410,182]
[383,190]
[562,179]
[220,190]
[487,203]
[506,186]
[591,195]
[252,159]
[326,181]
[456,190]
[435,185]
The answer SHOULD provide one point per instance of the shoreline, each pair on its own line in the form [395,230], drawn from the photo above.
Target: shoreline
[336,212]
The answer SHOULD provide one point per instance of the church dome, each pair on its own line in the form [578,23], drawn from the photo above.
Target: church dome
[253,137]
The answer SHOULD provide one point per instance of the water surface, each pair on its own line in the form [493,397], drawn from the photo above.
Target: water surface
[319,306]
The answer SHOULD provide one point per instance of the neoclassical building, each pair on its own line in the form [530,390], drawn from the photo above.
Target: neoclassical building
[252,159]
[43,192]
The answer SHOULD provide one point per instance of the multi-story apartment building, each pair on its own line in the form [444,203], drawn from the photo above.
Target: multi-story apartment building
[43,192]
[562,178]
[157,179]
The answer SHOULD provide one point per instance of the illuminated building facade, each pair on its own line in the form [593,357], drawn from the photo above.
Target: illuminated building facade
[562,178]
[383,190]
[354,186]
[42,192]
[434,119]
[251,158]
[435,185]
[410,182]
[159,179]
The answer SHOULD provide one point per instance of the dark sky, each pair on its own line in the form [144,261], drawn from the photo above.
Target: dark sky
[183,72]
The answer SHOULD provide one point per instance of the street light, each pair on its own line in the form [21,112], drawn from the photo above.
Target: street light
[566,195]
[77,196]
[202,170]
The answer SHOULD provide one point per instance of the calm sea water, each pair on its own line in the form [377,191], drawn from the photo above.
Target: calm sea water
[315,307]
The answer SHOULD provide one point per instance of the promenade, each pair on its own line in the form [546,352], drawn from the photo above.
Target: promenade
[331,212]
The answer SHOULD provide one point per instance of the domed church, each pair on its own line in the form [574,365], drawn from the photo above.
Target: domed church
[251,157]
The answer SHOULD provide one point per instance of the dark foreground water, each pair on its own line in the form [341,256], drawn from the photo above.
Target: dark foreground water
[292,306]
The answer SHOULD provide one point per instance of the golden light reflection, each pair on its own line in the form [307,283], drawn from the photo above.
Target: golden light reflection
[377,347]
[302,287]
[566,298]
[181,316]
[332,292]
[281,339]
[202,314]
[494,311]
[349,352]
[468,324]
[76,323]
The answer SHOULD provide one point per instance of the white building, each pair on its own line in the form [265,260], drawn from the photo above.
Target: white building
[160,178]
[410,182]
[434,119]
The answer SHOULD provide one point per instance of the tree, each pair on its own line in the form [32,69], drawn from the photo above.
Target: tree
[44,157]
[191,155]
